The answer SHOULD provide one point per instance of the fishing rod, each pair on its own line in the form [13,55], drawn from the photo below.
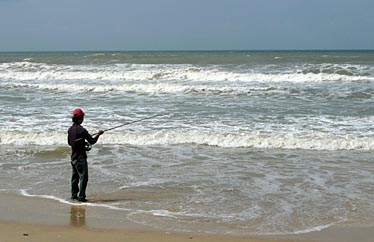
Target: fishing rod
[88,145]
[128,123]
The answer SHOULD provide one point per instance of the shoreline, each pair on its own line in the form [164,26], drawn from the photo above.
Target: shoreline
[40,219]
[40,233]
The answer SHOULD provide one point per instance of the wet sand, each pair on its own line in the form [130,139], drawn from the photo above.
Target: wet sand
[41,233]
[42,220]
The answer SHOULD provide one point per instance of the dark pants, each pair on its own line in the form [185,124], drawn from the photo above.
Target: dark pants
[79,178]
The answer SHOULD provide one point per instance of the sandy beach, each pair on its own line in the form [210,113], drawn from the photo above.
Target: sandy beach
[22,232]
[38,219]
[35,219]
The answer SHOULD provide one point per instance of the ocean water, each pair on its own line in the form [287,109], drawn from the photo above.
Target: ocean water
[245,142]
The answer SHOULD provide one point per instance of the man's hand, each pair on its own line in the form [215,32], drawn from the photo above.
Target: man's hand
[100,132]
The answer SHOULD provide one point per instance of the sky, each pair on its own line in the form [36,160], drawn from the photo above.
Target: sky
[63,25]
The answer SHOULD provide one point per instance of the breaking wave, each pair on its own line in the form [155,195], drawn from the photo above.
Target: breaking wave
[39,72]
[160,88]
[315,141]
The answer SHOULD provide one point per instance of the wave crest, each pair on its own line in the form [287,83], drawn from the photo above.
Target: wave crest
[26,71]
[314,141]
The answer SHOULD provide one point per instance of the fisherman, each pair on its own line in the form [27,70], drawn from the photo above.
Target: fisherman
[77,137]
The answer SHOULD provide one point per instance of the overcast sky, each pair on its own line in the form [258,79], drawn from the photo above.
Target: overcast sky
[185,24]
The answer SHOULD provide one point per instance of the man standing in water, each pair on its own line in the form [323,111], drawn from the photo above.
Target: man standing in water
[77,136]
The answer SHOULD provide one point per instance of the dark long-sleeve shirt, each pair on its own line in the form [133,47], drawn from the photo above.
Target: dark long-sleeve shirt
[77,135]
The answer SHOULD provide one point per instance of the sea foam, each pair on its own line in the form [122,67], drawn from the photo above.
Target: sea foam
[315,141]
[38,72]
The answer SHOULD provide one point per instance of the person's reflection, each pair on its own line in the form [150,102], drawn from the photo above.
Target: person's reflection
[77,216]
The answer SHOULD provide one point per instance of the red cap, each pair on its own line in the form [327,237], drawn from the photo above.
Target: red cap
[78,112]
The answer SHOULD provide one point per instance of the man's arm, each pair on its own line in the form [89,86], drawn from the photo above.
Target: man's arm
[90,139]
